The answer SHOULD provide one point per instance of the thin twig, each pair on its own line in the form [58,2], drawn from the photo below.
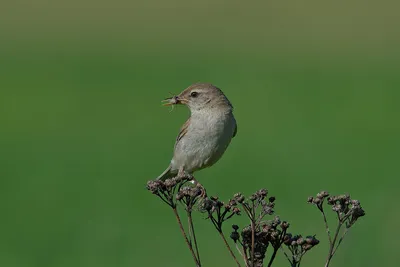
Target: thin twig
[185,236]
[168,203]
[294,262]
[246,258]
[326,226]
[332,246]
[301,256]
[229,248]
[238,249]
[272,257]
[191,228]
[286,255]
[341,239]
[253,231]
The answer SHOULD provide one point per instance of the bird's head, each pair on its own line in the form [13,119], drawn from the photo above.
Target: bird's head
[200,96]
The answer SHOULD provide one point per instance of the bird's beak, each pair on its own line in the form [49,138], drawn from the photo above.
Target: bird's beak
[174,100]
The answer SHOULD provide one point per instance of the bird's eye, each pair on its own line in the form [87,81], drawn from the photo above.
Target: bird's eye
[194,94]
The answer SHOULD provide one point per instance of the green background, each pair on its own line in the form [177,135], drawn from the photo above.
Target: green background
[315,86]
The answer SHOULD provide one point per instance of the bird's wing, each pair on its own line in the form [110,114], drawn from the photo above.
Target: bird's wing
[183,131]
[235,131]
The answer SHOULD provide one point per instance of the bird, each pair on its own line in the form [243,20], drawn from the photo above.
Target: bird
[205,136]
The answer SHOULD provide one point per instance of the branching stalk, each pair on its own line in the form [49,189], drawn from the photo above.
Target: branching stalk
[185,237]
[229,248]
[191,229]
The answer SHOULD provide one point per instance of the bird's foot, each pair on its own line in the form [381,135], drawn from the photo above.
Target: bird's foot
[203,192]
[182,174]
[190,177]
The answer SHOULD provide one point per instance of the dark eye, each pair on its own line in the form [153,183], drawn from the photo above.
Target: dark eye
[194,94]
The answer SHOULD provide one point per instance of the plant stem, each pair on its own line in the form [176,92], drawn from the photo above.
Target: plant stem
[246,257]
[294,262]
[272,257]
[332,245]
[185,236]
[229,248]
[242,254]
[341,239]
[253,231]
[191,229]
[286,255]
[326,226]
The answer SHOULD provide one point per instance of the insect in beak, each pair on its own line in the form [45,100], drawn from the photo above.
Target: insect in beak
[174,100]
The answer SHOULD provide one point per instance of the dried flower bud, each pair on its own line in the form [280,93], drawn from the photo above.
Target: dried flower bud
[337,207]
[345,197]
[232,202]
[322,194]
[169,183]
[235,227]
[271,199]
[196,191]
[287,240]
[219,203]
[300,241]
[284,225]
[307,247]
[359,212]
[154,186]
[262,192]
[268,210]
[266,227]
[332,200]
[317,201]
[235,236]
[177,179]
[207,205]
[295,237]
[239,197]
[185,191]
[236,211]
[275,234]
[311,240]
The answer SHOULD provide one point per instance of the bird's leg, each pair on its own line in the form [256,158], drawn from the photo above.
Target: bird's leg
[181,173]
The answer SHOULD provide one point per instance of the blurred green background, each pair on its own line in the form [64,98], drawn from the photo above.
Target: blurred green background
[315,85]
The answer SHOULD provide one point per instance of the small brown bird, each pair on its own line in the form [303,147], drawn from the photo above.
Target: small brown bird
[206,135]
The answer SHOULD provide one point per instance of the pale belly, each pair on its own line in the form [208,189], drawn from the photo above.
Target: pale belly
[202,146]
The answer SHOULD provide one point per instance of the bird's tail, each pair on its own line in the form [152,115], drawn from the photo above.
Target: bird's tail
[166,174]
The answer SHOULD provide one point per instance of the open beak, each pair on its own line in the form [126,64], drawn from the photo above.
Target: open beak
[175,100]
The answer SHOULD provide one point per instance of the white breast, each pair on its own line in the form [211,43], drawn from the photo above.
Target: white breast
[208,136]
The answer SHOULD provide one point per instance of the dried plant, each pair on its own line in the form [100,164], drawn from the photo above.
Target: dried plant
[218,213]
[261,236]
[298,247]
[255,238]
[348,211]
[172,191]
